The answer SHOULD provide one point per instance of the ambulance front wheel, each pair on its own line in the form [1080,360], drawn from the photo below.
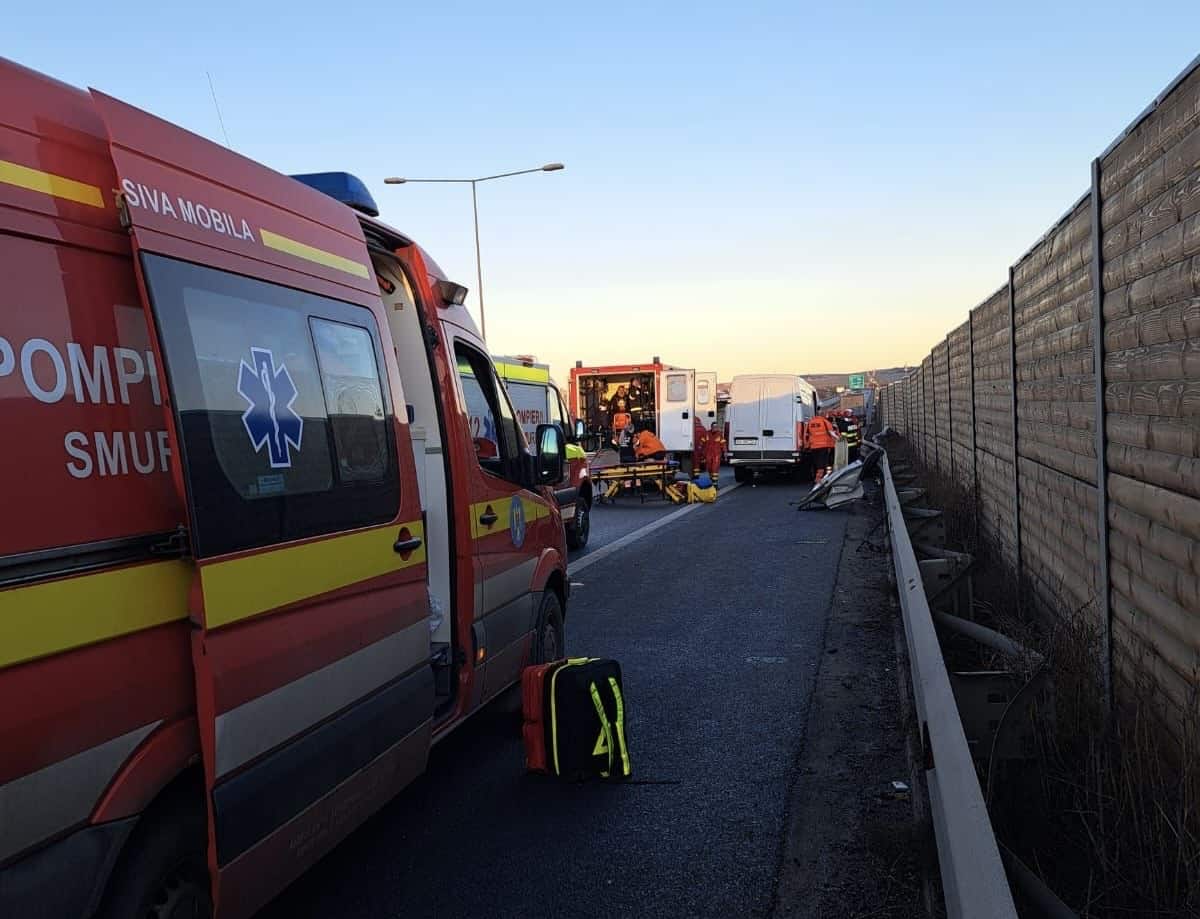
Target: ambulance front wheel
[549,642]
[163,871]
[581,525]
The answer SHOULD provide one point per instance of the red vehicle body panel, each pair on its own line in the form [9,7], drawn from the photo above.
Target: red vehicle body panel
[161,658]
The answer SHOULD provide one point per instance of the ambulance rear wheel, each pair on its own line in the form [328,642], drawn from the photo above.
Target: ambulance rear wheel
[549,642]
[581,525]
[163,872]
[740,473]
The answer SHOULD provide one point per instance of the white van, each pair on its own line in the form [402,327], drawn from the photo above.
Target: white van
[767,414]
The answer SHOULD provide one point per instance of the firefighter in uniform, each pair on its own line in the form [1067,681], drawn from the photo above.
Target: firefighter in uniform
[848,427]
[714,450]
[821,434]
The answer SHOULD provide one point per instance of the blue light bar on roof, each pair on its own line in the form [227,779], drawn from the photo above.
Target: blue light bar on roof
[344,187]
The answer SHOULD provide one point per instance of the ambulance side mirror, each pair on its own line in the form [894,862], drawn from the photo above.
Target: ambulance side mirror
[551,457]
[580,430]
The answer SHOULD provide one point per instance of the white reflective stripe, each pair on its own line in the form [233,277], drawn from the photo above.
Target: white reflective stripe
[264,723]
[62,794]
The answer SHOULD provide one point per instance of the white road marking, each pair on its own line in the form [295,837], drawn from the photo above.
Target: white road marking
[603,552]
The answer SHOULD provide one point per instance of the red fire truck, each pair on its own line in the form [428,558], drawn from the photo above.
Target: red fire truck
[673,402]
[254,561]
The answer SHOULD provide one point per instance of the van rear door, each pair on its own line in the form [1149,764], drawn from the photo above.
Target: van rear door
[779,412]
[309,609]
[745,418]
[676,407]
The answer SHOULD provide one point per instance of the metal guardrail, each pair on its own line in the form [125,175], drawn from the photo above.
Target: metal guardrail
[973,878]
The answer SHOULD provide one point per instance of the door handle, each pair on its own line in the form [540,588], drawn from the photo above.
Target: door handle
[412,544]
[488,519]
[685,414]
[769,432]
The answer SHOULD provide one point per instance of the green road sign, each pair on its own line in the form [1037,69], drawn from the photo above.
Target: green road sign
[857,381]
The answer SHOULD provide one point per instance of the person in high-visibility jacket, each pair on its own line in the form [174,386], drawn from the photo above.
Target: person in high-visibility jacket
[714,450]
[647,446]
[821,434]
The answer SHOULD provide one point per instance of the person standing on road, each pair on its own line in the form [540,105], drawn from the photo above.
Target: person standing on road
[714,451]
[821,435]
[699,449]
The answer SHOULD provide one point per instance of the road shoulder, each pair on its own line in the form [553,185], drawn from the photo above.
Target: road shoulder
[851,848]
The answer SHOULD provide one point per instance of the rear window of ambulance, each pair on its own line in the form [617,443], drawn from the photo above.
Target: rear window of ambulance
[286,424]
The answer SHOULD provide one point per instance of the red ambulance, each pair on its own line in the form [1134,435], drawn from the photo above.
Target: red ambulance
[537,400]
[254,561]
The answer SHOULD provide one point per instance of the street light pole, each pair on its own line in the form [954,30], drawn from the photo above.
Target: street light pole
[549,167]
[478,264]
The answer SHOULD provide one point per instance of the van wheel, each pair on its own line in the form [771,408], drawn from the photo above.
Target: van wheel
[163,872]
[740,473]
[581,525]
[549,644]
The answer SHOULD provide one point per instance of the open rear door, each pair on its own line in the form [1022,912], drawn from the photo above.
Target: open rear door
[677,404]
[706,398]
[310,615]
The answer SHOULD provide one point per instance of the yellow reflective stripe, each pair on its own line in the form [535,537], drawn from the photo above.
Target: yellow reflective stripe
[50,184]
[519,372]
[313,254]
[604,726]
[612,682]
[554,714]
[55,616]
[575,452]
[501,507]
[243,587]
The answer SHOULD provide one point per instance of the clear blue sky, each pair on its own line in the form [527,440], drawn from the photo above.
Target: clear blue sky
[757,187]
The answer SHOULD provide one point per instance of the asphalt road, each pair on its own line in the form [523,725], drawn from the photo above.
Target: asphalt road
[627,514]
[718,621]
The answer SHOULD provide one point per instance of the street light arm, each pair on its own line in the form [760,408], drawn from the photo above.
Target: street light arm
[549,167]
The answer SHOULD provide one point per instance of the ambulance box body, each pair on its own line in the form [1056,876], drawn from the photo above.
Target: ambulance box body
[675,403]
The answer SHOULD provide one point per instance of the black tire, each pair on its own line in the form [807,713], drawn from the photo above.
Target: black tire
[548,639]
[740,473]
[163,871]
[580,527]
[549,643]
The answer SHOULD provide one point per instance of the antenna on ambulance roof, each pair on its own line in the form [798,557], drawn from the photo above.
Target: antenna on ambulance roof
[217,106]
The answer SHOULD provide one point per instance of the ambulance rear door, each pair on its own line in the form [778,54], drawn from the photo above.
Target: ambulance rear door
[309,607]
[706,398]
[677,390]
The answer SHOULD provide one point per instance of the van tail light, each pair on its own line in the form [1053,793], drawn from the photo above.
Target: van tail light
[799,435]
